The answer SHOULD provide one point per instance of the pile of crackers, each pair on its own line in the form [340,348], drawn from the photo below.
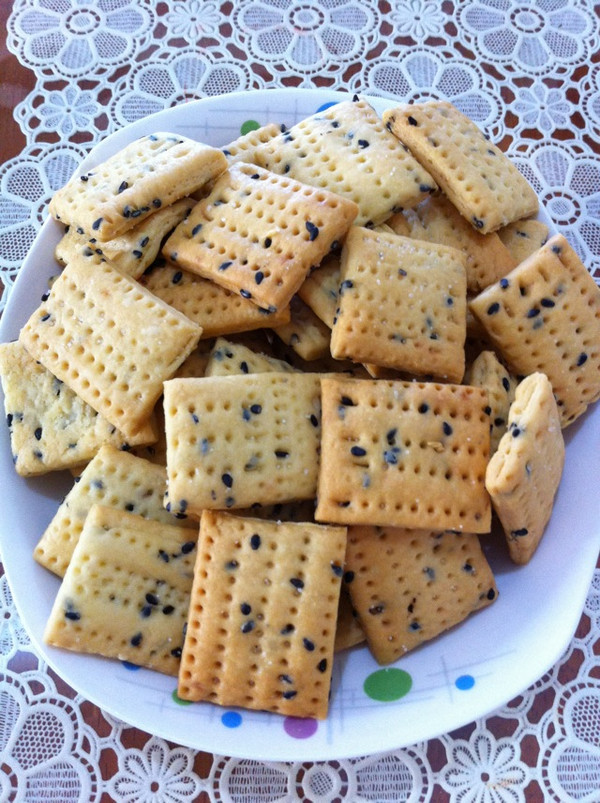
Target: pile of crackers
[293,378]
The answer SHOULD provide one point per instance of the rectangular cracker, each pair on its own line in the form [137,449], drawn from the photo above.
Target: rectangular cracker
[320,289]
[408,586]
[50,427]
[524,237]
[404,454]
[114,478]
[236,440]
[126,591]
[478,178]
[306,333]
[134,250]
[438,221]
[402,305]
[258,233]
[545,316]
[243,148]
[110,340]
[523,476]
[227,358]
[348,150]
[486,371]
[217,310]
[262,616]
[146,175]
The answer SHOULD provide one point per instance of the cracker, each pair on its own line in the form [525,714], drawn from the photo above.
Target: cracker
[478,178]
[306,333]
[228,358]
[262,616]
[259,233]
[136,249]
[523,476]
[348,631]
[320,289]
[348,150]
[146,175]
[438,221]
[113,478]
[236,440]
[196,363]
[487,372]
[545,316]
[50,427]
[243,148]
[524,237]
[402,305]
[217,310]
[404,454]
[408,586]
[126,591]
[110,340]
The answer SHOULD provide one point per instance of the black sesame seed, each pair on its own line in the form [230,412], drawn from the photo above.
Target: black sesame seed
[129,506]
[533,312]
[74,616]
[197,229]
[163,555]
[297,583]
[232,564]
[245,608]
[547,302]
[247,626]
[313,231]
[259,276]
[227,480]
[390,456]
[244,367]
[308,644]
[177,277]
[499,421]
[582,358]
[97,223]
[337,569]
[287,629]
[289,695]
[493,308]
[255,541]
[504,283]
[363,143]
[374,610]
[168,609]
[286,679]
[281,453]
[136,640]
[45,317]
[245,293]
[122,186]
[151,599]
[447,428]
[38,434]
[156,203]
[188,547]
[479,224]
[516,432]
[225,265]
[491,594]
[358,451]
[176,652]
[522,531]
[423,408]
[314,420]
[412,121]
[391,436]
[505,384]
[347,401]
[487,410]
[256,409]
[348,576]
[414,626]
[322,665]
[146,611]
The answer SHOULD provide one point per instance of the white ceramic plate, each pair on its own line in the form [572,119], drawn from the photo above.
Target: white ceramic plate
[464,674]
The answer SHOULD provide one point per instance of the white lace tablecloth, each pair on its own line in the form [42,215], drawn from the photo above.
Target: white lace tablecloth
[529,73]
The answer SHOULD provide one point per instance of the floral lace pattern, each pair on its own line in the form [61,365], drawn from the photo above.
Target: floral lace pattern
[528,73]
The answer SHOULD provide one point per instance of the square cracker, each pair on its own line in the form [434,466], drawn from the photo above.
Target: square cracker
[258,233]
[545,316]
[146,175]
[306,333]
[522,477]
[402,305]
[228,358]
[524,237]
[486,371]
[438,221]
[404,454]
[262,618]
[408,586]
[236,440]
[348,150]
[320,289]
[478,178]
[134,250]
[217,310]
[50,427]
[126,591]
[110,340]
[243,148]
[113,478]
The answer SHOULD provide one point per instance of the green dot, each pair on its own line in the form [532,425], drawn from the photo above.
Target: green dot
[177,699]
[248,126]
[387,684]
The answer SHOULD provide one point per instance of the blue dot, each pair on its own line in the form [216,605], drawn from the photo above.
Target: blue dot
[231,719]
[130,666]
[327,106]
[464,682]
